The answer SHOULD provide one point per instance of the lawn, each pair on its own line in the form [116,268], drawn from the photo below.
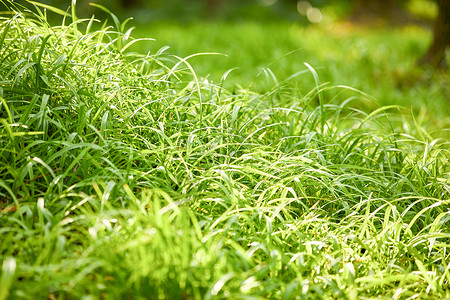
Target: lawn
[316,170]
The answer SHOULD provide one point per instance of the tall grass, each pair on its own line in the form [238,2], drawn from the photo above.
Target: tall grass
[378,61]
[129,176]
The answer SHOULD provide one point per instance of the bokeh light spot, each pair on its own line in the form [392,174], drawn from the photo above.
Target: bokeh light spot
[314,15]
[303,7]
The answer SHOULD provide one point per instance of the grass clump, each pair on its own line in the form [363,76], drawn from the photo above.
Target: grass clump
[127,175]
[378,61]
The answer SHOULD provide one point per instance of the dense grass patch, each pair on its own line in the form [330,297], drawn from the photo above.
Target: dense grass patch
[379,61]
[127,175]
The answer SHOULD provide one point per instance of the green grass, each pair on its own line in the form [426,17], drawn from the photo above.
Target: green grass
[130,176]
[378,61]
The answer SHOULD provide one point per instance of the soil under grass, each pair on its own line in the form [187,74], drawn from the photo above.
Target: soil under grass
[129,176]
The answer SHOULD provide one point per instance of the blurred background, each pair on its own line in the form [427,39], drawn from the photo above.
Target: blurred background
[371,45]
[312,11]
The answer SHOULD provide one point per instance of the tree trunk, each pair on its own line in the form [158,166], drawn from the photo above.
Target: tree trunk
[435,56]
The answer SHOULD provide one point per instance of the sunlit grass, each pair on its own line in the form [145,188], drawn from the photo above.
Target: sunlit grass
[379,61]
[126,175]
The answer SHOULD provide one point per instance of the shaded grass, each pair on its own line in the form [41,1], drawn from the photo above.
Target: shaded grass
[128,175]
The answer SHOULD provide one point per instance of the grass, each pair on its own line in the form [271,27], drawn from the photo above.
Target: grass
[130,176]
[378,61]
